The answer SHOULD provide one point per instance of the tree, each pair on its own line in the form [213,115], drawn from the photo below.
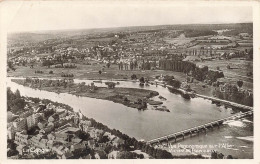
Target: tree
[10,64]
[110,85]
[17,94]
[229,157]
[240,83]
[108,65]
[228,66]
[9,93]
[133,77]
[47,63]
[174,83]
[141,80]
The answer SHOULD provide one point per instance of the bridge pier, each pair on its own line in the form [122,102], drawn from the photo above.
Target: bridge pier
[218,124]
[197,129]
[212,126]
[205,129]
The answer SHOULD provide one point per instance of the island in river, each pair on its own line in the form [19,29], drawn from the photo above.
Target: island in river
[131,97]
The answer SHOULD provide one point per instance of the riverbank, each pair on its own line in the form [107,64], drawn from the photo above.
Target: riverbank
[96,134]
[91,72]
[88,132]
[133,122]
[131,97]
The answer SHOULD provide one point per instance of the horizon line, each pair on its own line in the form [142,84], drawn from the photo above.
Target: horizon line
[84,28]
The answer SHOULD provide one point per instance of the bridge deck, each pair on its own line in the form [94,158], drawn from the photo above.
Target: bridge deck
[210,124]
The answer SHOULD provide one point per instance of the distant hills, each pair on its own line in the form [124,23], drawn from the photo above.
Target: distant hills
[54,34]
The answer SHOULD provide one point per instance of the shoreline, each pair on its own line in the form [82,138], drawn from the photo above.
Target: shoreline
[130,97]
[221,102]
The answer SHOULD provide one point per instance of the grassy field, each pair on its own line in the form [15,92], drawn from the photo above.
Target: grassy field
[84,71]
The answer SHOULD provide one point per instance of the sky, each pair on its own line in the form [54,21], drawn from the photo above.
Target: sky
[38,16]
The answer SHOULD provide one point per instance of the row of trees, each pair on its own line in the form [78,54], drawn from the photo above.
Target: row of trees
[234,93]
[15,102]
[176,65]
[191,68]
[204,73]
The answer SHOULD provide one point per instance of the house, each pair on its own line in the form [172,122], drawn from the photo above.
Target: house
[77,148]
[117,141]
[47,129]
[33,120]
[100,155]
[51,136]
[61,136]
[11,132]
[53,118]
[62,126]
[42,124]
[87,157]
[43,143]
[76,140]
[67,155]
[50,143]
[112,155]
[62,151]
[96,133]
[20,124]
[91,144]
[84,125]
[21,138]
[70,130]
[109,136]
[20,149]
[61,112]
[26,114]
[39,141]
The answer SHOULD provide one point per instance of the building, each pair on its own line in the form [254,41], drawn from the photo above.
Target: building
[47,129]
[78,148]
[95,133]
[84,125]
[117,141]
[11,132]
[21,138]
[20,124]
[26,114]
[33,120]
[42,124]
[53,118]
[61,112]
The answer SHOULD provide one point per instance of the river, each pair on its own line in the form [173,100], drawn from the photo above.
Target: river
[150,124]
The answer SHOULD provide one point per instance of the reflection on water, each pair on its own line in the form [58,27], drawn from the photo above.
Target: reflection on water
[148,124]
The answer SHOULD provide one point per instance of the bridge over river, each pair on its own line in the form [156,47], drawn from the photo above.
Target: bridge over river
[198,129]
